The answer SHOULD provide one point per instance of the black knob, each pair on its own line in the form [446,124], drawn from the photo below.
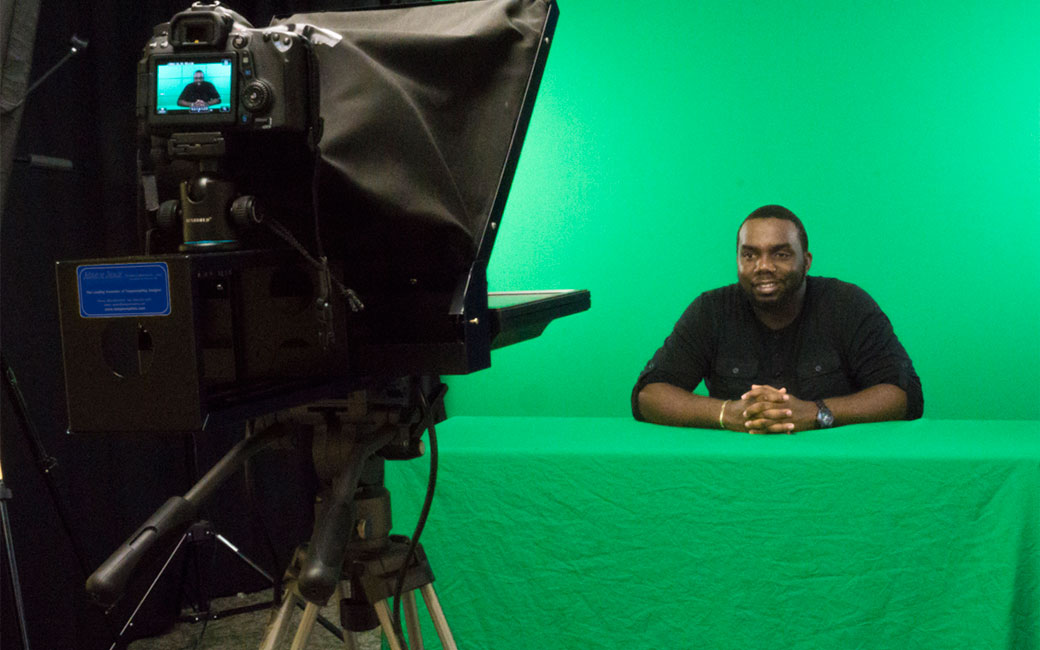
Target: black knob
[257,96]
[246,212]
[169,215]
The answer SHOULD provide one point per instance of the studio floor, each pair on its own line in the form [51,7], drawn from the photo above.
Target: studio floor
[246,630]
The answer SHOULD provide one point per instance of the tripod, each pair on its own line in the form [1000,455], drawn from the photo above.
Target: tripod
[350,553]
[47,464]
[202,540]
[178,516]
[351,558]
[377,567]
[16,587]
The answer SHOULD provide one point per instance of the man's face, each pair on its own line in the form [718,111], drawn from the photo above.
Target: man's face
[771,264]
[198,77]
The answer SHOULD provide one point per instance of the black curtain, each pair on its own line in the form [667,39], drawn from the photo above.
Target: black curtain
[68,519]
[18,23]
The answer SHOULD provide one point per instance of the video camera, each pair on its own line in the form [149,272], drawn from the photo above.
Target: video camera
[339,179]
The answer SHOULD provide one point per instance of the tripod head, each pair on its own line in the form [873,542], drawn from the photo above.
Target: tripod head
[350,448]
[210,214]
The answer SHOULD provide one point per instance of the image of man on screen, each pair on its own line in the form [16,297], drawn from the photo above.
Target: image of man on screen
[199,94]
[779,351]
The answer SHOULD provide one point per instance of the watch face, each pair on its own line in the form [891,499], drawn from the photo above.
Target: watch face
[824,417]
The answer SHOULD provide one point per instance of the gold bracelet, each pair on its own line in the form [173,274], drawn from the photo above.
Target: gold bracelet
[722,412]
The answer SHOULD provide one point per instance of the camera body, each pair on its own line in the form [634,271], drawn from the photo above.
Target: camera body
[209,70]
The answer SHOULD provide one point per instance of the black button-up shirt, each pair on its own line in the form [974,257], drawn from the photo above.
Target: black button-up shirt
[839,344]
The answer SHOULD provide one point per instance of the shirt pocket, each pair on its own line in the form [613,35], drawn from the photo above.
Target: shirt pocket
[732,377]
[822,376]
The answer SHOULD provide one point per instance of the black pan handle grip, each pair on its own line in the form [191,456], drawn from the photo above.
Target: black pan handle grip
[173,519]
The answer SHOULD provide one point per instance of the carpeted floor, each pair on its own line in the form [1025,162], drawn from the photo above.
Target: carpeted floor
[246,630]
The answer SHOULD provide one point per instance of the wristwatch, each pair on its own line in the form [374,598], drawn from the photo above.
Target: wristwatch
[824,417]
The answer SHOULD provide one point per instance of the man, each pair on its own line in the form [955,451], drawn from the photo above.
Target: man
[779,351]
[200,94]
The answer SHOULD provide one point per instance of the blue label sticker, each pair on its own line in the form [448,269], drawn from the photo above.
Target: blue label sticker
[114,290]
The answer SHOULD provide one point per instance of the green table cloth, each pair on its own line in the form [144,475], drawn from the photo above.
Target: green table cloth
[608,533]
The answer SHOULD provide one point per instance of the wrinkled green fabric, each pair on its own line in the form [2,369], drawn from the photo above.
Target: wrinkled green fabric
[608,533]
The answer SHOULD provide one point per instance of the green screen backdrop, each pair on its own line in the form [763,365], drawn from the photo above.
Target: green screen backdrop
[905,135]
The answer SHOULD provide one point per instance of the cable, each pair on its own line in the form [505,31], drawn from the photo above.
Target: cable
[431,485]
[315,198]
[322,265]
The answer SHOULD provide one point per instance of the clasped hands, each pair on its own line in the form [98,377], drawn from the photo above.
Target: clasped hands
[765,409]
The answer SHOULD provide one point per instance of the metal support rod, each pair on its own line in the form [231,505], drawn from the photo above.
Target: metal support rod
[433,605]
[411,621]
[12,564]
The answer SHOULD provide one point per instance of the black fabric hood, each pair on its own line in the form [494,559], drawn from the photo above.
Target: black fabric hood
[423,111]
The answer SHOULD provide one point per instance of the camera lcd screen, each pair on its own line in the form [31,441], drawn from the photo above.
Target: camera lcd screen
[195,88]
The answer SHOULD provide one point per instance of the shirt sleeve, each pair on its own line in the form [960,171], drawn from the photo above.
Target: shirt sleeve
[877,357]
[685,357]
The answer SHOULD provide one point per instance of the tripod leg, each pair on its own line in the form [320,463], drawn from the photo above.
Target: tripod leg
[437,614]
[278,627]
[148,592]
[280,624]
[16,587]
[303,632]
[350,641]
[383,612]
[242,556]
[411,621]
